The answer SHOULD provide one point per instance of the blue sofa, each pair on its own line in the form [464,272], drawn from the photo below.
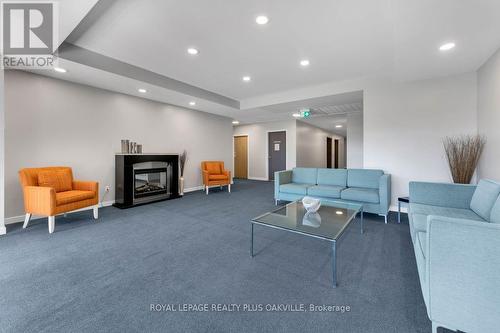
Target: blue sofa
[372,188]
[455,231]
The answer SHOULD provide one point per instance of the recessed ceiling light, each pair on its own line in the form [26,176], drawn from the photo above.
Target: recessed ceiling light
[235,122]
[142,91]
[338,126]
[60,70]
[246,78]
[192,103]
[339,212]
[261,19]
[304,63]
[296,115]
[447,46]
[193,51]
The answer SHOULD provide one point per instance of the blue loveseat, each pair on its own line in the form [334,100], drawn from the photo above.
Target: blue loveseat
[455,231]
[372,188]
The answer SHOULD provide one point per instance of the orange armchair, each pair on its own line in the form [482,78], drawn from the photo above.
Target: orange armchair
[52,190]
[214,175]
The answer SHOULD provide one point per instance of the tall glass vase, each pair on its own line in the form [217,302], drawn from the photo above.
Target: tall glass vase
[181,186]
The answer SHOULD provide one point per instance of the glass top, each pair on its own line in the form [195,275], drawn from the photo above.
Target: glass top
[329,222]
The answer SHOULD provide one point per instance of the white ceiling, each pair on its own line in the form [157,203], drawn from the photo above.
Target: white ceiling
[339,104]
[345,40]
[71,12]
[328,123]
[89,76]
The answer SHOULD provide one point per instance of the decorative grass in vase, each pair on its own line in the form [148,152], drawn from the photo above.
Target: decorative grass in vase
[463,153]
[182,163]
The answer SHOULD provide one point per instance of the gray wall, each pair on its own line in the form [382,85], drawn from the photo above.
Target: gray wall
[311,146]
[405,123]
[54,122]
[355,140]
[488,108]
[257,142]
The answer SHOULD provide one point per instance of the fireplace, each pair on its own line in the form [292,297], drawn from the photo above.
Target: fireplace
[152,180]
[142,178]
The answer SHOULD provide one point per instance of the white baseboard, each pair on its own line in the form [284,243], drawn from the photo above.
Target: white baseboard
[394,208]
[3,230]
[20,218]
[192,189]
[259,178]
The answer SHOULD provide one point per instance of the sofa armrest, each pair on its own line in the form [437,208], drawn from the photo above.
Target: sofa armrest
[280,178]
[442,194]
[227,173]
[205,175]
[39,200]
[385,193]
[86,186]
[463,273]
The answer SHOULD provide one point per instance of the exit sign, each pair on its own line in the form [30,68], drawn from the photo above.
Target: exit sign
[305,113]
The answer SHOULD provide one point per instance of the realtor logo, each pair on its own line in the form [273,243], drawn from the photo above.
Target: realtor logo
[29,34]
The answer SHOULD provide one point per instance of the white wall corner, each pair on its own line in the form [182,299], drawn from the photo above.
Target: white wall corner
[3,231]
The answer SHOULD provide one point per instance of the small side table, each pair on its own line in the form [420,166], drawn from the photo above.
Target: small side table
[405,200]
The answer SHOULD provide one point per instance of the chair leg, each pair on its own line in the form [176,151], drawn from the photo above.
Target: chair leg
[27,219]
[96,212]
[229,188]
[206,189]
[52,224]
[385,216]
[435,327]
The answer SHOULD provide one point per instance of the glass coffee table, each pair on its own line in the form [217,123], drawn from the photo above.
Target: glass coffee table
[328,223]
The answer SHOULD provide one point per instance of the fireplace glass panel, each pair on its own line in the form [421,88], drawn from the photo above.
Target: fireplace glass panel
[150,182]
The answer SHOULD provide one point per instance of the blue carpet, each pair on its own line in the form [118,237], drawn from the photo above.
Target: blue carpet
[104,275]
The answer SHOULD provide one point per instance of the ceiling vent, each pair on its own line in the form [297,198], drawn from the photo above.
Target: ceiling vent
[337,109]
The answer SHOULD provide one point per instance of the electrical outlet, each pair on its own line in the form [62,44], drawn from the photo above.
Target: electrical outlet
[106,189]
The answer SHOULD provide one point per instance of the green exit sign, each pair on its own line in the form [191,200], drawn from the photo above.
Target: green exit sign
[305,113]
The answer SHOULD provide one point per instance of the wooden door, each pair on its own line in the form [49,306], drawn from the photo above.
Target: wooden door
[336,154]
[241,157]
[328,152]
[277,152]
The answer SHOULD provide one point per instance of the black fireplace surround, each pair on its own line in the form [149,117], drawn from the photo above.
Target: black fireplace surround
[145,178]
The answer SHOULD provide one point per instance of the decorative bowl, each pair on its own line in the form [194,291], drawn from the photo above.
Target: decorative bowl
[312,220]
[311,204]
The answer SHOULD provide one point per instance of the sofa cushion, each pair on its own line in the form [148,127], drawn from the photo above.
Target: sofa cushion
[304,175]
[416,208]
[217,177]
[360,194]
[328,191]
[213,168]
[336,177]
[484,198]
[495,212]
[59,179]
[364,178]
[295,188]
[67,197]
